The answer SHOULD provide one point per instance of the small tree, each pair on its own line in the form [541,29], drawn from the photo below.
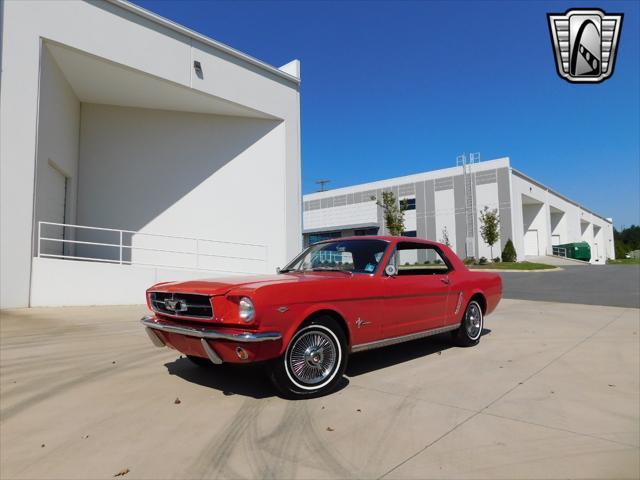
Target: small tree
[509,252]
[489,226]
[445,237]
[393,213]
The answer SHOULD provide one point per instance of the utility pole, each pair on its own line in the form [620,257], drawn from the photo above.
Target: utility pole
[322,183]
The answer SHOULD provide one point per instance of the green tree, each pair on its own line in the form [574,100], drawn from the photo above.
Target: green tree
[393,213]
[489,226]
[445,237]
[626,240]
[509,252]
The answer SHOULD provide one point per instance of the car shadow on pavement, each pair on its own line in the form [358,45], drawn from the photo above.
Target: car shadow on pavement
[247,380]
[366,362]
[252,381]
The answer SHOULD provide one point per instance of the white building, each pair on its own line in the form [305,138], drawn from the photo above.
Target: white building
[449,201]
[183,151]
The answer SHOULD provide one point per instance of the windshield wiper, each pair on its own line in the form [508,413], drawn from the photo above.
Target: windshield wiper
[329,269]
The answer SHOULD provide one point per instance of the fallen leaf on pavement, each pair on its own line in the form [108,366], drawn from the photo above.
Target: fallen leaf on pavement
[122,473]
[329,429]
[177,401]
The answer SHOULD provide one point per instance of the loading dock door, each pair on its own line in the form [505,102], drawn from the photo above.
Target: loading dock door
[531,243]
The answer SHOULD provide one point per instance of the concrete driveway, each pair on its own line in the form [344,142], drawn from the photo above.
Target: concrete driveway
[552,391]
[614,285]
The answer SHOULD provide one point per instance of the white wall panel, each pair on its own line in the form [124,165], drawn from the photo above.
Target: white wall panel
[174,173]
[445,216]
[356,214]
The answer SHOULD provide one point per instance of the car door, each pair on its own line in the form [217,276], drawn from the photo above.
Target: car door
[415,298]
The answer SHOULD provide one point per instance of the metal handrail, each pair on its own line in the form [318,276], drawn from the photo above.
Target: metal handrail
[121,247]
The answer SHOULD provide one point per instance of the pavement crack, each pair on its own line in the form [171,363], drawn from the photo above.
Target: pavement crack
[500,397]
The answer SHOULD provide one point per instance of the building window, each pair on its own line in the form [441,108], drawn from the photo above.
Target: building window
[408,203]
[365,231]
[318,237]
[410,233]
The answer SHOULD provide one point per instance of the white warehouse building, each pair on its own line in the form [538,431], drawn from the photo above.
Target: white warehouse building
[447,203]
[134,150]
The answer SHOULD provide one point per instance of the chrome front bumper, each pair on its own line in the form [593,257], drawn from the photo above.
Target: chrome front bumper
[204,334]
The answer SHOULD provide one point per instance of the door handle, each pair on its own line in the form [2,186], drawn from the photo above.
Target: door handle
[446,281]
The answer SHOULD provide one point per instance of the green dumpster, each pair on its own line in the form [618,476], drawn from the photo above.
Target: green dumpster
[576,250]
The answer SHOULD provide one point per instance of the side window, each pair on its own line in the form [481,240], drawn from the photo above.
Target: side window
[419,259]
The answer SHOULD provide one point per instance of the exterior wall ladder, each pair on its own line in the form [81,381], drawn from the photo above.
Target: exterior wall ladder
[469,200]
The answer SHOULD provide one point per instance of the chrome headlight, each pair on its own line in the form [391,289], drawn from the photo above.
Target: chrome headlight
[246,310]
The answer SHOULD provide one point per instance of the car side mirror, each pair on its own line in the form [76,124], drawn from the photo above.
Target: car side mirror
[390,270]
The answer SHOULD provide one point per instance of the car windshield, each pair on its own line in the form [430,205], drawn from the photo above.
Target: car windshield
[352,256]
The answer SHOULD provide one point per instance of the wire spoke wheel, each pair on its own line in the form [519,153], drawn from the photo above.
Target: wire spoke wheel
[313,357]
[473,321]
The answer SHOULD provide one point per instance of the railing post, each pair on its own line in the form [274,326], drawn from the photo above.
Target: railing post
[120,247]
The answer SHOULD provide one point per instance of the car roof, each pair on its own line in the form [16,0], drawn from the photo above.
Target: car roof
[386,238]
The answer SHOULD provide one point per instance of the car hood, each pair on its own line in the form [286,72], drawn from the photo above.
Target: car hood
[220,286]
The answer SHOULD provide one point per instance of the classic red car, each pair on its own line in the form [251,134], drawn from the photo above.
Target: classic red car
[338,297]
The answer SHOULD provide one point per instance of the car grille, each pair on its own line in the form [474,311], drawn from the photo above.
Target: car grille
[181,305]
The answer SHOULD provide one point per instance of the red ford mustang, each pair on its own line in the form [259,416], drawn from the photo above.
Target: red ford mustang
[337,297]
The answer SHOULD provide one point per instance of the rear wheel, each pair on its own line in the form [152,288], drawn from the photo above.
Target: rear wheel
[470,329]
[314,360]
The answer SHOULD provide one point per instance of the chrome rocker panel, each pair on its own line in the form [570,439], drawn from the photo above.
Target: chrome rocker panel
[205,333]
[404,338]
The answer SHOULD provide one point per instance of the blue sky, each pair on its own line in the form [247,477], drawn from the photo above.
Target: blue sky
[395,88]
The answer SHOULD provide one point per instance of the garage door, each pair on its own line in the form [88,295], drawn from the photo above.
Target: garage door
[531,242]
[53,191]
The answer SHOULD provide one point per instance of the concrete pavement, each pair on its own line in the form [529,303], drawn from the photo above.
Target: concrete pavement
[552,391]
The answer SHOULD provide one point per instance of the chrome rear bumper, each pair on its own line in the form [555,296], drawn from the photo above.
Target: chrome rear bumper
[209,334]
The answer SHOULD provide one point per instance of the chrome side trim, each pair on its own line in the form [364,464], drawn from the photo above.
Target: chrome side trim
[404,338]
[155,339]
[211,353]
[249,337]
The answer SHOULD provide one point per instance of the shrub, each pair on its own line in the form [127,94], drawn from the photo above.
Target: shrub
[509,252]
[469,261]
[496,260]
[483,261]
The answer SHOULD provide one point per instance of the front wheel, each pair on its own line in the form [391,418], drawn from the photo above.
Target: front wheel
[313,362]
[470,329]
